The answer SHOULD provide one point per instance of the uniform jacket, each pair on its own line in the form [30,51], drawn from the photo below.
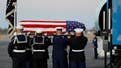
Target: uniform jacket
[43,46]
[77,43]
[59,46]
[95,42]
[14,44]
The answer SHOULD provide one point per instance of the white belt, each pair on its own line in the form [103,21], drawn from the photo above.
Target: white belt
[19,51]
[38,50]
[77,50]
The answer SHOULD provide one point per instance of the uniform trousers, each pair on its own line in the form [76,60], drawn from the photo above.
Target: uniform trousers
[77,64]
[39,63]
[19,60]
[60,62]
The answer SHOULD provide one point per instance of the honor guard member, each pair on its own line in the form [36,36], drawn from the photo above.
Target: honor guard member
[95,46]
[59,54]
[30,36]
[40,50]
[17,48]
[76,53]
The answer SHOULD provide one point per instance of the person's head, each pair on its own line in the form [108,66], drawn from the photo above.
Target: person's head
[78,32]
[94,34]
[59,30]
[31,34]
[19,29]
[38,32]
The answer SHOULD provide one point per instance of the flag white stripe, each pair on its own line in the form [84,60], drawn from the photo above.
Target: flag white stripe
[43,29]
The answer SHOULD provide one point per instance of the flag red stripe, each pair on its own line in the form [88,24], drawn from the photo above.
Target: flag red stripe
[43,26]
[34,31]
[41,23]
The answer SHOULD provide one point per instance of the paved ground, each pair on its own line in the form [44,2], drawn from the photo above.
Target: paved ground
[5,61]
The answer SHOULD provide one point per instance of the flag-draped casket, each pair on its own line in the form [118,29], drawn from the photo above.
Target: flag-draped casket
[49,27]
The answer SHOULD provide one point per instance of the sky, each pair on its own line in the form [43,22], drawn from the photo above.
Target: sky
[85,11]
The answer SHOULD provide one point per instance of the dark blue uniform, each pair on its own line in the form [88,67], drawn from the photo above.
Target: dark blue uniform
[40,52]
[17,51]
[76,54]
[59,53]
[95,47]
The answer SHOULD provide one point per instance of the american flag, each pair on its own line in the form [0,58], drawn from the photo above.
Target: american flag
[49,27]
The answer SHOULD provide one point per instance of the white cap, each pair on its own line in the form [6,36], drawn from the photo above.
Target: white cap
[38,31]
[78,30]
[28,33]
[59,28]
[19,27]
